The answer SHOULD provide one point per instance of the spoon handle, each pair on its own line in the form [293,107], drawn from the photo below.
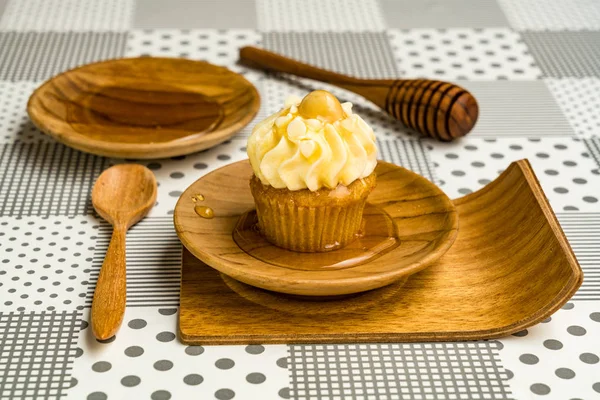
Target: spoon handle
[108,306]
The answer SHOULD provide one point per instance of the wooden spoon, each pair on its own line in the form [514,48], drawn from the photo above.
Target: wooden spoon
[441,110]
[122,195]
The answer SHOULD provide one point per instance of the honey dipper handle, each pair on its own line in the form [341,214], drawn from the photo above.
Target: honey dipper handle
[269,61]
[436,109]
[108,306]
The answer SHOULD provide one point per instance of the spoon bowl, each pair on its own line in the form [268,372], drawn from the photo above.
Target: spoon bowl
[122,195]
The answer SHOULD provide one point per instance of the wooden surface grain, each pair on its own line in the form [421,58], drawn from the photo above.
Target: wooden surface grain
[425,219]
[144,107]
[122,195]
[441,110]
[510,268]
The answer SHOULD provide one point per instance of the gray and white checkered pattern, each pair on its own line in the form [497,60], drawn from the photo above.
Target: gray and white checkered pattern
[534,68]
[398,371]
[36,353]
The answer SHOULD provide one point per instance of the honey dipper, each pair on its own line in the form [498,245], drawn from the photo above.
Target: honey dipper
[436,109]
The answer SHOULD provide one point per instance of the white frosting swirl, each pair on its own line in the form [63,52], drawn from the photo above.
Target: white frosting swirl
[287,150]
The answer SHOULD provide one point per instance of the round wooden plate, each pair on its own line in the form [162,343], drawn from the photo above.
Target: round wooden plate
[144,107]
[426,220]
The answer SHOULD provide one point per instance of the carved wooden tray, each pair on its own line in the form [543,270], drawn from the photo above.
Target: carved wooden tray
[144,107]
[509,268]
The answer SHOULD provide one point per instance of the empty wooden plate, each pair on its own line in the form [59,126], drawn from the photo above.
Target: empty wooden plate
[510,267]
[144,107]
[425,219]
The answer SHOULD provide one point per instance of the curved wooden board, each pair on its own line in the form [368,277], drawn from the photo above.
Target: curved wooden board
[510,268]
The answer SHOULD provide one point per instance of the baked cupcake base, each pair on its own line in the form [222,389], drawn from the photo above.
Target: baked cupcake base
[306,221]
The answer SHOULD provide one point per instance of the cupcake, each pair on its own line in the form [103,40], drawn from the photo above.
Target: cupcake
[313,166]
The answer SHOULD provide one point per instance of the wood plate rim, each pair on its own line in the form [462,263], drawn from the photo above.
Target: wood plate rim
[144,151]
[338,285]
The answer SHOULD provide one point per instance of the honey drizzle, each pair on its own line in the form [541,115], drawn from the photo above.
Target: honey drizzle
[204,212]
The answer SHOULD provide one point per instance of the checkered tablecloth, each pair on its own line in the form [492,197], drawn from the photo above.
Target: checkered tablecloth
[534,66]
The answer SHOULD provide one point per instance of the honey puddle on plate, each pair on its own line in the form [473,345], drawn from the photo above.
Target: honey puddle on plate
[378,236]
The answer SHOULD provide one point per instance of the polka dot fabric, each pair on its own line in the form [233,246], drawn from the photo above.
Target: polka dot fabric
[579,100]
[215,46]
[175,174]
[559,358]
[463,54]
[14,122]
[564,166]
[146,358]
[44,263]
